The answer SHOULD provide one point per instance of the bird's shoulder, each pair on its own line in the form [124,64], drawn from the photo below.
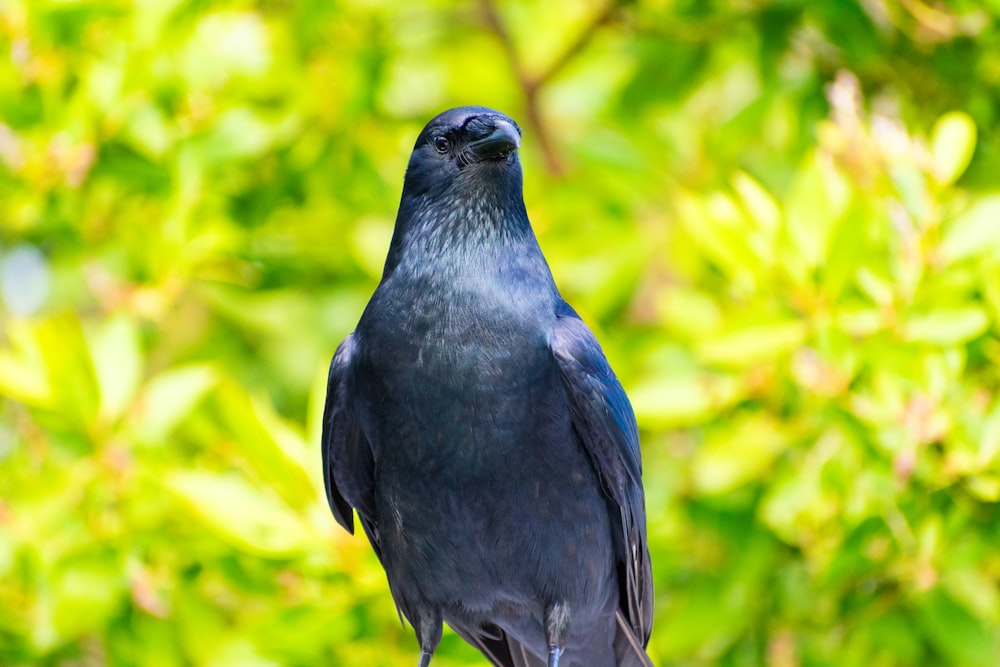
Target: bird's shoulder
[573,343]
[591,382]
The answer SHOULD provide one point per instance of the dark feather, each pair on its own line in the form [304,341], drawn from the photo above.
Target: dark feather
[603,417]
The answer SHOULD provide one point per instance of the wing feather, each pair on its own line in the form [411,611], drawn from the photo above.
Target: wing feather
[603,417]
[348,466]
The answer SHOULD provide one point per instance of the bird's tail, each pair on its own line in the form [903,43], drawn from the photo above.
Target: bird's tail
[501,649]
[629,650]
[521,658]
[504,651]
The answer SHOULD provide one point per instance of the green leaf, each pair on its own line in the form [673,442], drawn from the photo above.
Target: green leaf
[85,595]
[683,399]
[705,621]
[23,375]
[953,141]
[795,506]
[316,406]
[820,196]
[877,287]
[974,589]
[689,312]
[910,183]
[753,344]
[892,632]
[860,322]
[991,290]
[277,453]
[848,248]
[238,134]
[960,637]
[149,132]
[735,454]
[984,487]
[974,232]
[246,517]
[239,652]
[169,398]
[118,362]
[52,368]
[946,327]
[758,202]
[236,43]
[369,242]
[724,235]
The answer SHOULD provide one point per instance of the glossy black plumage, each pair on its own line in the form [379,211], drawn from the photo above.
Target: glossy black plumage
[473,422]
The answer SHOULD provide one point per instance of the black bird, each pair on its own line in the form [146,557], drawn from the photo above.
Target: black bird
[475,425]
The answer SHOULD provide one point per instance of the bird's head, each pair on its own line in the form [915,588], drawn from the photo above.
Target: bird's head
[464,151]
[462,191]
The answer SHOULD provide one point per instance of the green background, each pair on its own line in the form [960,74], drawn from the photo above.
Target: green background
[780,217]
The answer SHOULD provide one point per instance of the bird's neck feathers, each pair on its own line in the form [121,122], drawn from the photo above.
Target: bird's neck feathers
[462,226]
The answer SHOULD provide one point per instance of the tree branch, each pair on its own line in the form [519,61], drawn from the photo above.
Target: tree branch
[532,85]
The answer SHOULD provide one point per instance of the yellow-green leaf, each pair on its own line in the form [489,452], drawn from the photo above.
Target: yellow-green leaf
[946,327]
[736,454]
[753,344]
[246,517]
[169,398]
[953,141]
[117,358]
[683,399]
[976,231]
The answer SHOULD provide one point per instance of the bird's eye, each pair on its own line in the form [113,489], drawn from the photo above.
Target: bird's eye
[441,144]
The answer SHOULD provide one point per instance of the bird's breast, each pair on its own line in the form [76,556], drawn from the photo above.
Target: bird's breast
[461,372]
[467,334]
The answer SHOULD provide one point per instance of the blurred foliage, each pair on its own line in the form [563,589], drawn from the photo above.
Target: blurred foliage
[776,213]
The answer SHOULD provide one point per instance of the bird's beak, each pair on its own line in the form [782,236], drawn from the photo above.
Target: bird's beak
[503,140]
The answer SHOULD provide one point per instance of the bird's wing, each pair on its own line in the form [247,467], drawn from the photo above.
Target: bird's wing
[348,466]
[603,418]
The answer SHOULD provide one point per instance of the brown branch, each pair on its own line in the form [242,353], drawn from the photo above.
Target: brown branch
[493,21]
[532,85]
[599,20]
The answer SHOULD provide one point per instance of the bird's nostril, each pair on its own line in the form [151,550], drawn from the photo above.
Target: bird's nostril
[498,138]
[480,126]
